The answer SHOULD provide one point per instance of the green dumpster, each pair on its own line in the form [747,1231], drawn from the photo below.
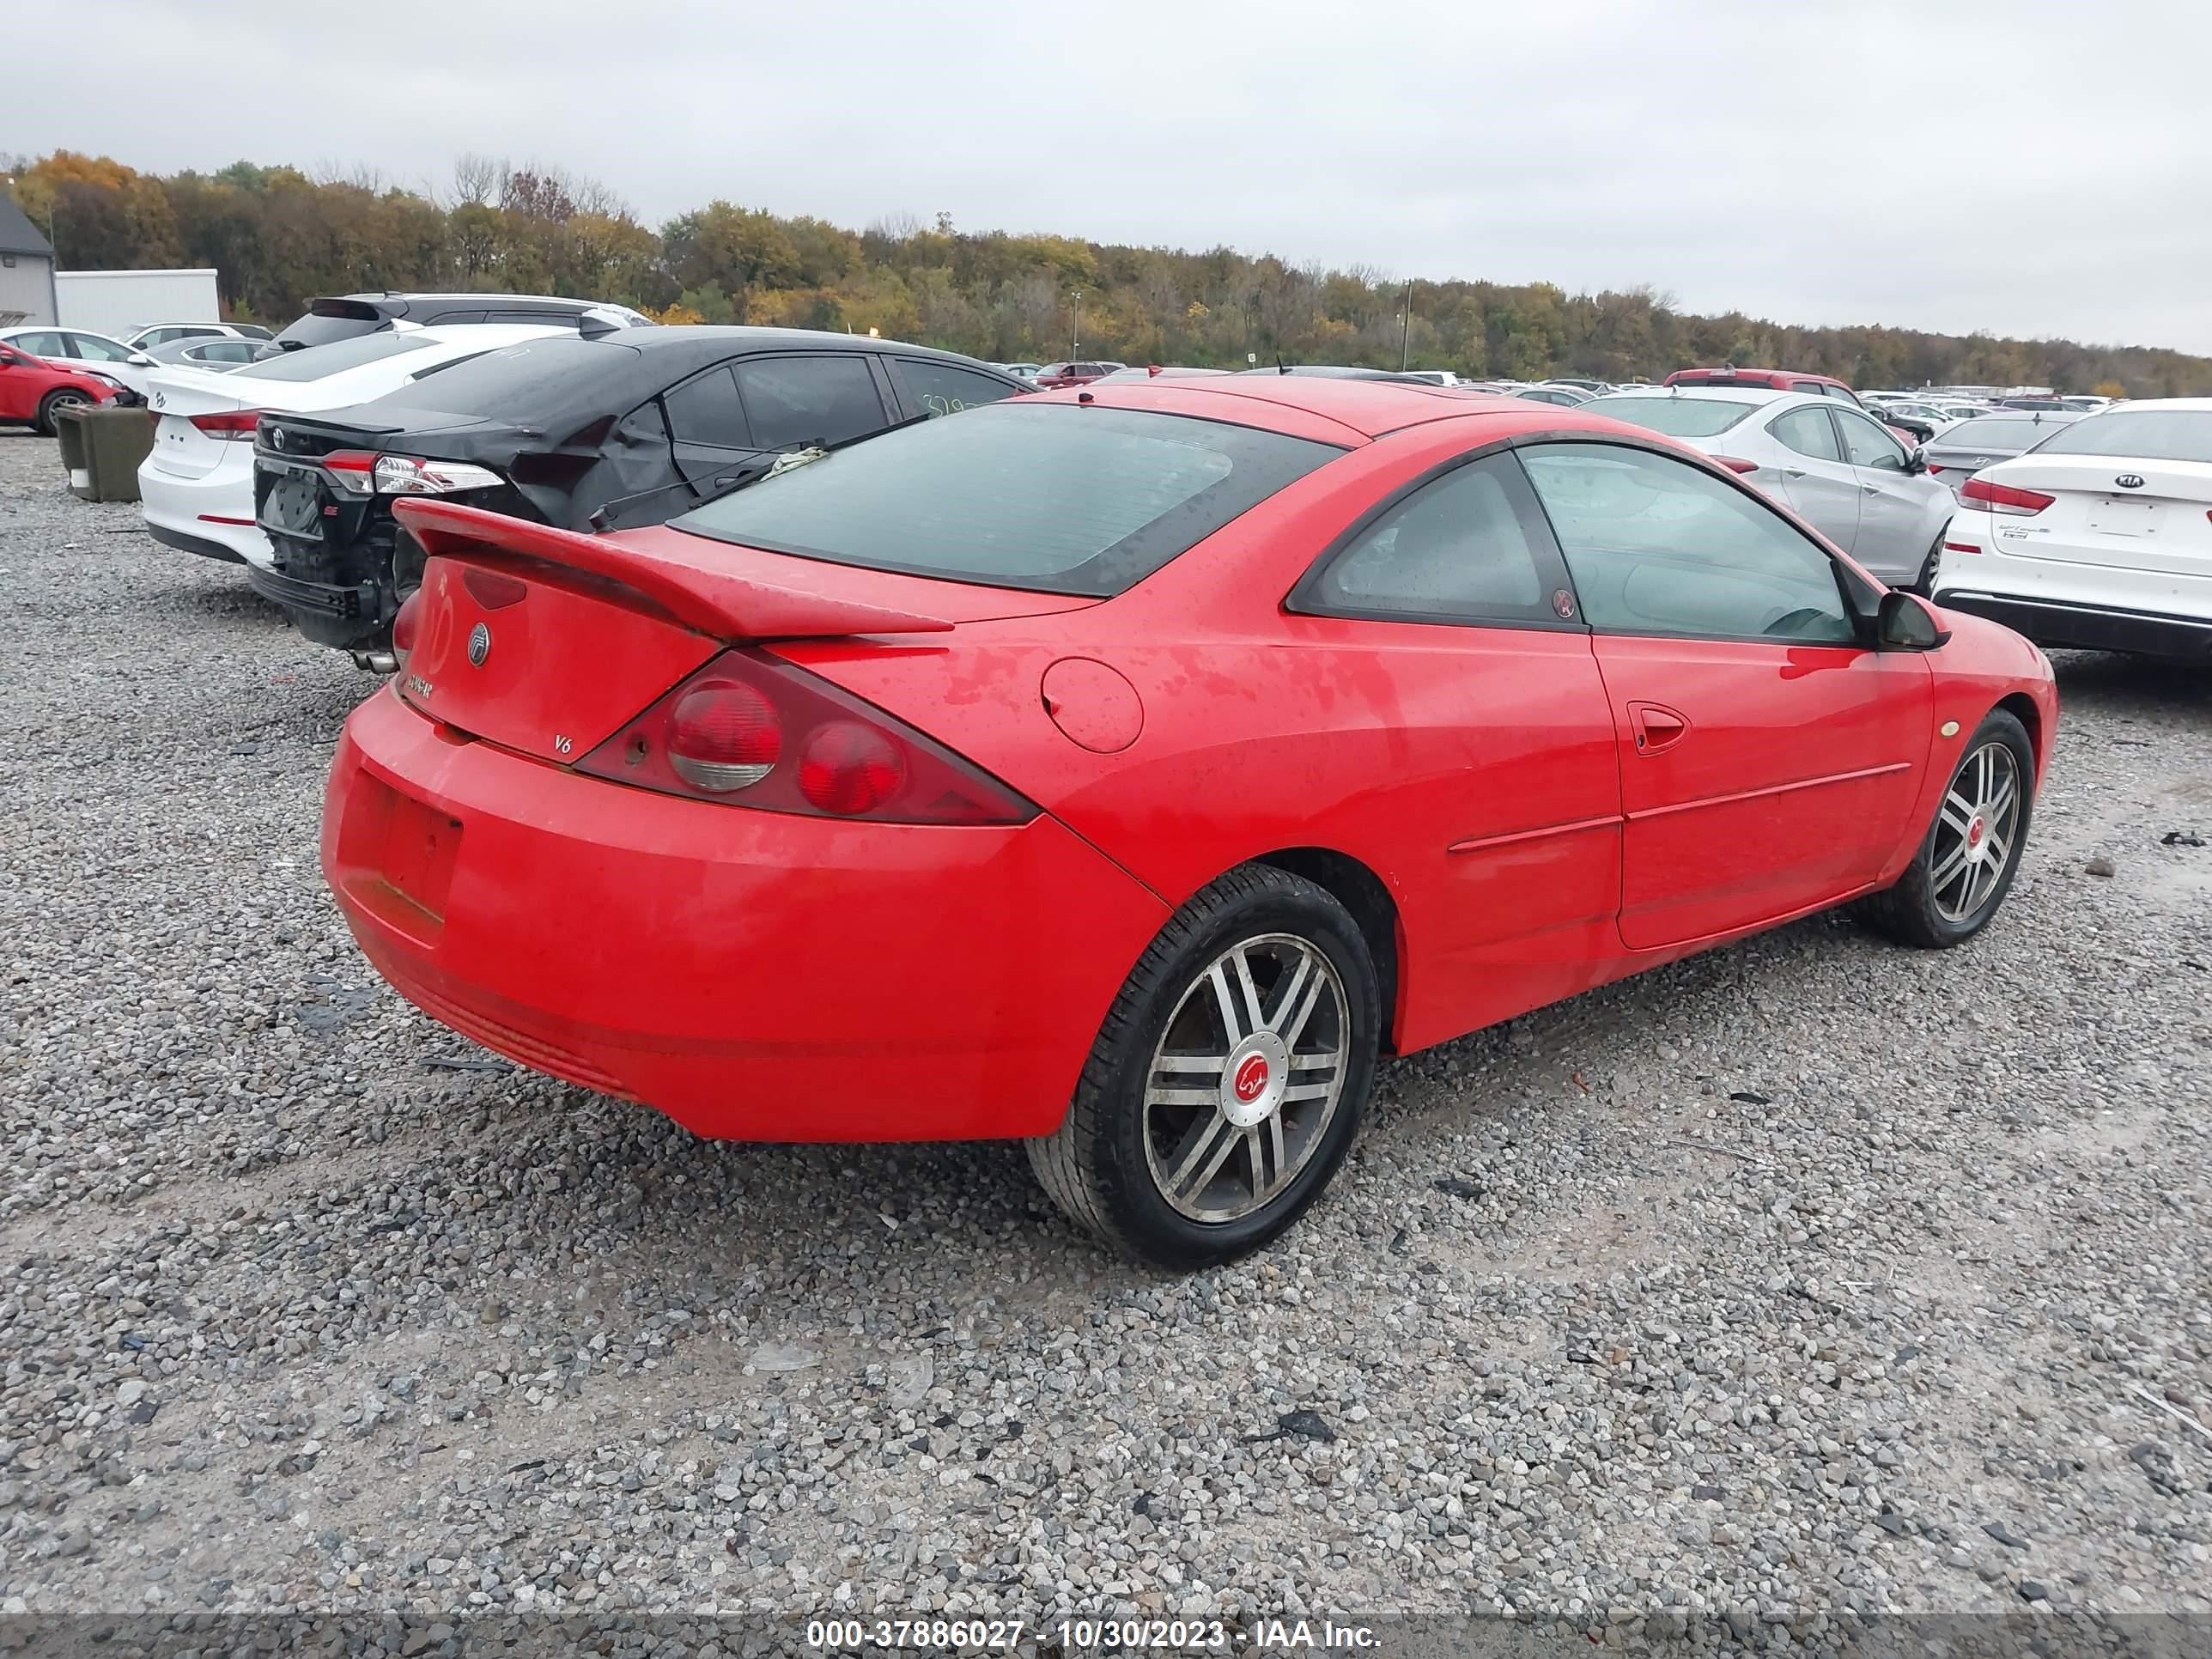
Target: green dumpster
[101,448]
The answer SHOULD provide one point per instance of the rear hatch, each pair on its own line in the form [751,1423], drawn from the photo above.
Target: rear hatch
[2161,519]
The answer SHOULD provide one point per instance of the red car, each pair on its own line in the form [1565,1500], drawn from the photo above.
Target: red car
[1126,776]
[33,390]
[1052,377]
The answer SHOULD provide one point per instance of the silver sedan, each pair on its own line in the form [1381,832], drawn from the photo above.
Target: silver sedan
[1837,468]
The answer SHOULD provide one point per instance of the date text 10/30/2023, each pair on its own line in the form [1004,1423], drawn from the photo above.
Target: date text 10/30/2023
[1082,1635]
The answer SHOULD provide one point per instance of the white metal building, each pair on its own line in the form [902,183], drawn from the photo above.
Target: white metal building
[120,303]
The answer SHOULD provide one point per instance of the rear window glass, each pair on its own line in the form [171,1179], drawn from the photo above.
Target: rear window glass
[316,361]
[313,329]
[2148,434]
[1677,417]
[1056,498]
[525,376]
[1996,435]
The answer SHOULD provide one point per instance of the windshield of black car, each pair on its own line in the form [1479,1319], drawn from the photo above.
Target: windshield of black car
[2149,435]
[1677,417]
[1056,497]
[316,361]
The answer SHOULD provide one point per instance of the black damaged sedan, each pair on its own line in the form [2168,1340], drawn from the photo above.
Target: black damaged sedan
[624,428]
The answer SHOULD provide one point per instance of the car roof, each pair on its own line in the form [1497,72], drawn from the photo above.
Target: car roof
[1716,394]
[2190,404]
[484,336]
[1741,374]
[694,337]
[1366,409]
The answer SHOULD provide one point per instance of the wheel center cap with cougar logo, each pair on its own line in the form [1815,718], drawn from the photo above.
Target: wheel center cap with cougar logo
[1252,1084]
[1974,835]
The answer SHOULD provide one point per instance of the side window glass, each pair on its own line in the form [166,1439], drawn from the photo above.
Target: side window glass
[705,409]
[1868,445]
[1462,547]
[41,345]
[824,398]
[1810,432]
[96,349]
[935,388]
[1659,546]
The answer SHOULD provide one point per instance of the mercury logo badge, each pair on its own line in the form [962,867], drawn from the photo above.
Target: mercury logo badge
[479,644]
[2130,481]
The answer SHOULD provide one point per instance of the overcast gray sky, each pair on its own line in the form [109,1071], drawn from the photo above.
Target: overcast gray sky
[2031,168]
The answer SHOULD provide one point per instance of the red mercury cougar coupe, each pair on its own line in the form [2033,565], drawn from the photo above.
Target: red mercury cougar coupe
[1124,769]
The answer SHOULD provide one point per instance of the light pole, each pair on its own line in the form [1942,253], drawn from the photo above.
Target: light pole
[1406,332]
[1075,335]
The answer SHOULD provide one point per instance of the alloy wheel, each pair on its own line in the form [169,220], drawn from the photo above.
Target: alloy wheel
[1975,833]
[1248,1073]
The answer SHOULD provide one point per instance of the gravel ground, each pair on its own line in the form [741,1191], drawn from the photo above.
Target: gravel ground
[1811,1275]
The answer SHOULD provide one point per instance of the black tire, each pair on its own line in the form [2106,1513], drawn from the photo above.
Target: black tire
[1924,583]
[1916,911]
[59,397]
[1102,1165]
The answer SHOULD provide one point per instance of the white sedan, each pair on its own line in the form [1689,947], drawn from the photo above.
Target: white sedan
[1839,468]
[2100,537]
[195,488]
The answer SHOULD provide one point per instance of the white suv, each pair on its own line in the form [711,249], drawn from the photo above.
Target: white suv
[2100,537]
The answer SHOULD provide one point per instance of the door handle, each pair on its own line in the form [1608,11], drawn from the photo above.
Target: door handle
[1792,472]
[1656,726]
[1870,489]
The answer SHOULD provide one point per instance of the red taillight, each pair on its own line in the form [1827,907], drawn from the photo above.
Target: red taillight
[2003,498]
[353,471]
[229,425]
[1933,469]
[1737,464]
[406,624]
[849,769]
[723,735]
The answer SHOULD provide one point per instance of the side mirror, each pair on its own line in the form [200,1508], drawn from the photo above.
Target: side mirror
[1916,459]
[1906,621]
[139,360]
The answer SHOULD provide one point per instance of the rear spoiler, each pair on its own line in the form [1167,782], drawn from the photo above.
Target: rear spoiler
[723,606]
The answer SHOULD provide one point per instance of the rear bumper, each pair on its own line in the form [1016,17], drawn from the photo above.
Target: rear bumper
[193,512]
[755,976]
[185,542]
[2063,626]
[356,616]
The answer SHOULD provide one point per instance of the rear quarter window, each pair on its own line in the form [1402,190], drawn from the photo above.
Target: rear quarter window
[1054,498]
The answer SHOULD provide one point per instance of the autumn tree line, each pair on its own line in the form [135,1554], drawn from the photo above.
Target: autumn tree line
[278,236]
